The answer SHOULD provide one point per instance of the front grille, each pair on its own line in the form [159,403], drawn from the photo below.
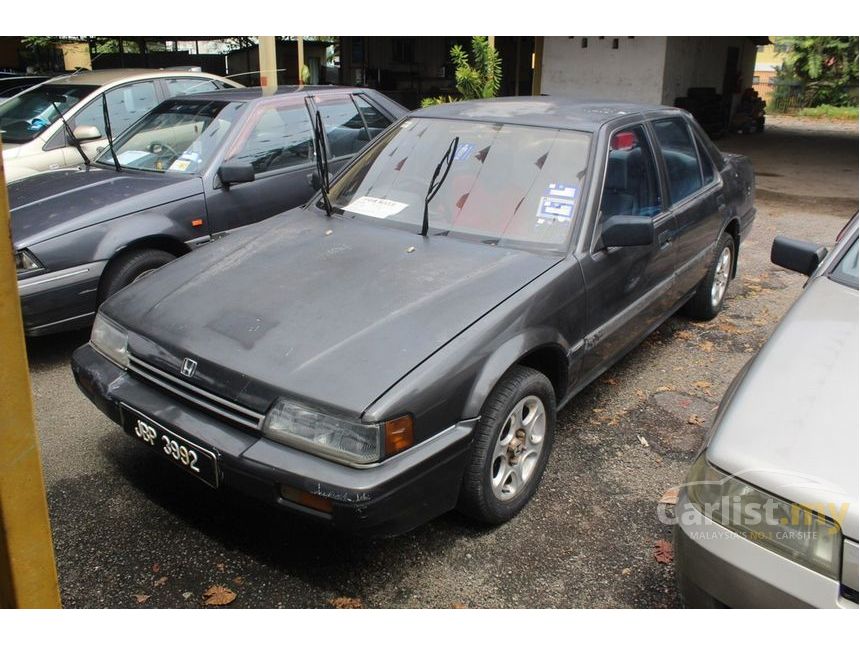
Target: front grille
[219,407]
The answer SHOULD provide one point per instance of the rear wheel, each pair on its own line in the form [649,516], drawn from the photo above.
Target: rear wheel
[512,444]
[708,299]
[129,267]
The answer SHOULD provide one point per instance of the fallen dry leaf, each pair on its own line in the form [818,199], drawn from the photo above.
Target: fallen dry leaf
[663,552]
[160,582]
[626,571]
[670,496]
[706,346]
[218,596]
[187,595]
[685,334]
[345,602]
[156,567]
[641,394]
[665,388]
[702,385]
[696,420]
[140,598]
[459,605]
[610,381]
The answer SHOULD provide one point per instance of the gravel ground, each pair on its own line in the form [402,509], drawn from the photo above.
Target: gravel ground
[130,530]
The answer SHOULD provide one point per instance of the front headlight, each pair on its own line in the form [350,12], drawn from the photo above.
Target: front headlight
[26,263]
[329,435]
[111,340]
[786,528]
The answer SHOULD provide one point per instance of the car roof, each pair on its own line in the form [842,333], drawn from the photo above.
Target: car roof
[547,111]
[244,94]
[104,76]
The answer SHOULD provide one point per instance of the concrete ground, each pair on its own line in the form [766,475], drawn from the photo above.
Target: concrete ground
[131,530]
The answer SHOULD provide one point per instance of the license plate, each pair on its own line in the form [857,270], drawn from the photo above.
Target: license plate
[193,459]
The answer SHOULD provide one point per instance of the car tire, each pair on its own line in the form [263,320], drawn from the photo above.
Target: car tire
[708,300]
[124,270]
[512,443]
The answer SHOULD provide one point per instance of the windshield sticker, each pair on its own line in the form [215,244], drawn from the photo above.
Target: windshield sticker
[180,165]
[557,204]
[190,155]
[464,151]
[130,156]
[375,207]
[562,190]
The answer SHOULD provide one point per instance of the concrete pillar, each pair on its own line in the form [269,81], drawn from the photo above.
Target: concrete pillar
[268,63]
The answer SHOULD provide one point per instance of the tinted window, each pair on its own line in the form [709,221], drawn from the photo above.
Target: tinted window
[176,86]
[126,104]
[26,116]
[281,137]
[508,185]
[343,125]
[631,185]
[707,164]
[679,153]
[375,120]
[846,271]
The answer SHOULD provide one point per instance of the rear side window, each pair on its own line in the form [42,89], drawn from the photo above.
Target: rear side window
[707,165]
[630,186]
[679,153]
[376,121]
[281,137]
[177,86]
[846,271]
[343,125]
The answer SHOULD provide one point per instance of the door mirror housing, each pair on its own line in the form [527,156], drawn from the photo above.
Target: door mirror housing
[628,230]
[87,133]
[233,172]
[314,180]
[796,255]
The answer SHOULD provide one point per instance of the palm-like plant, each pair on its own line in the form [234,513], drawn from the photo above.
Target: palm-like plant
[479,78]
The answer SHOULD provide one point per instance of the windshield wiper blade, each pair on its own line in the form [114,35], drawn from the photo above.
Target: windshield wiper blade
[322,162]
[72,139]
[446,161]
[109,133]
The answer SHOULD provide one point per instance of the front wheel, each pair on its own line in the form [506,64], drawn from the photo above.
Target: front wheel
[707,302]
[513,440]
[132,266]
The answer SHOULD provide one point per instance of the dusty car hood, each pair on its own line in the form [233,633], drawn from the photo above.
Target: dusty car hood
[336,319]
[52,203]
[792,426]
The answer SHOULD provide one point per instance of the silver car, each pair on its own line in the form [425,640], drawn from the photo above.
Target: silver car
[50,125]
[768,515]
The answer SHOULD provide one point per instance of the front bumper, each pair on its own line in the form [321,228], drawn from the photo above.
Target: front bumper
[716,567]
[393,497]
[60,300]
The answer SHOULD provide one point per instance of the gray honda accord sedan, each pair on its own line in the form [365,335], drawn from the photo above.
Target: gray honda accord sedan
[400,346]
[768,516]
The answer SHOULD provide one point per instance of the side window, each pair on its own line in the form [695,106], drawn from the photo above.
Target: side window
[280,138]
[631,184]
[177,86]
[679,153]
[707,164]
[376,121]
[126,104]
[343,125]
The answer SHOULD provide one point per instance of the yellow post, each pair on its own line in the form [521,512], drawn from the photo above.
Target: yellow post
[268,64]
[28,574]
[537,65]
[301,49]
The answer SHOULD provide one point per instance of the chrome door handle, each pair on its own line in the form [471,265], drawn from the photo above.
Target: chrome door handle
[665,239]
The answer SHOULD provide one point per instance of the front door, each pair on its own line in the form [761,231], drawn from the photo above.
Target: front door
[277,140]
[629,289]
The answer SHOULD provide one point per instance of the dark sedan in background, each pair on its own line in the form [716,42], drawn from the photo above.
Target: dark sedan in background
[191,170]
[399,347]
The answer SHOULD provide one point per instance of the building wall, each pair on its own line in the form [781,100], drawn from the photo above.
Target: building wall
[632,72]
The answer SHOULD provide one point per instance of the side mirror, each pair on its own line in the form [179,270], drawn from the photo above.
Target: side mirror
[232,172]
[796,255]
[628,230]
[87,133]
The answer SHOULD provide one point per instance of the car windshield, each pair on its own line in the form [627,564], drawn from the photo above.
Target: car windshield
[26,116]
[509,185]
[846,271]
[175,137]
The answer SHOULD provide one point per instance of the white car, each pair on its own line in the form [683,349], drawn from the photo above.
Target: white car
[37,126]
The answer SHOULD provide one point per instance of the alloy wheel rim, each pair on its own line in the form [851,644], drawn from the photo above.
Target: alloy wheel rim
[518,448]
[721,277]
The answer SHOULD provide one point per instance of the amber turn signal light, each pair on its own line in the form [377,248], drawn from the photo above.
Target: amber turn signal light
[303,498]
[398,435]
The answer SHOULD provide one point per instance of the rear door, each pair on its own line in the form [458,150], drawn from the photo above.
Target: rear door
[277,140]
[629,288]
[695,197]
